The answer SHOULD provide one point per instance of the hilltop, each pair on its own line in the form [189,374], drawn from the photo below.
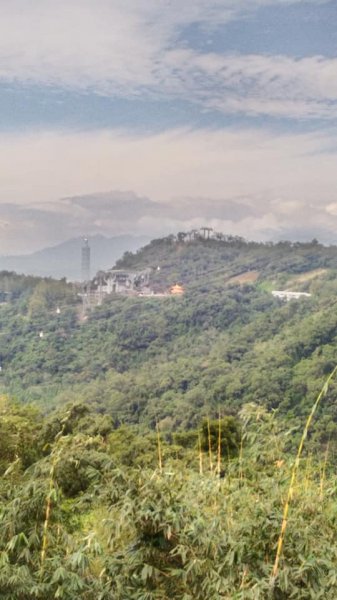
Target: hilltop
[228,259]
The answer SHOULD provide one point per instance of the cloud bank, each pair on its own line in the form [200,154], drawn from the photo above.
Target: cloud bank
[243,181]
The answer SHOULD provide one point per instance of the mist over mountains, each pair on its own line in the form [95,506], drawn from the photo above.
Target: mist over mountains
[64,260]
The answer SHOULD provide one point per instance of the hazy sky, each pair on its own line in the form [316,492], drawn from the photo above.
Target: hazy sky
[152,116]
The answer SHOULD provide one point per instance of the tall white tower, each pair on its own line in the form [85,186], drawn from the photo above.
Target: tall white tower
[85,261]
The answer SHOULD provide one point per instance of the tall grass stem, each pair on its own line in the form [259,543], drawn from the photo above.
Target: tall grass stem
[294,471]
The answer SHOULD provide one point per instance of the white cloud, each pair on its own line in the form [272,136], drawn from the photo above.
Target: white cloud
[179,163]
[127,48]
[331,209]
[249,182]
[254,84]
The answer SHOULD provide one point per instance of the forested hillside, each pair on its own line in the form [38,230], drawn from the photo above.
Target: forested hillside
[225,342]
[146,447]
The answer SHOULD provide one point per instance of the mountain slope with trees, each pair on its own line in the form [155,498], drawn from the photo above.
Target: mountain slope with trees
[146,450]
[224,342]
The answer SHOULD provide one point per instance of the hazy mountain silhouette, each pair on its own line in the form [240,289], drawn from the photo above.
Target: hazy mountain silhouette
[64,260]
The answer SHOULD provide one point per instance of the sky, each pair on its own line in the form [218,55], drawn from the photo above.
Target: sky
[157,116]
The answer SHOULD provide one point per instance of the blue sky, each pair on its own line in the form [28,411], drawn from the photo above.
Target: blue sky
[221,112]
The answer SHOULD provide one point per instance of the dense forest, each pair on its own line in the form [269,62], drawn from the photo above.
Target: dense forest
[147,446]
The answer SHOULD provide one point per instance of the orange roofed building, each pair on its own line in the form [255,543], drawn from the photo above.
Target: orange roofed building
[177,290]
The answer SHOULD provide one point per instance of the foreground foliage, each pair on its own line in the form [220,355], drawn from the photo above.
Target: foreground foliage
[93,516]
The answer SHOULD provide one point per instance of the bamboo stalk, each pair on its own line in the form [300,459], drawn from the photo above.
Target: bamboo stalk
[160,456]
[55,459]
[323,472]
[48,513]
[219,445]
[200,456]
[209,445]
[294,471]
[240,458]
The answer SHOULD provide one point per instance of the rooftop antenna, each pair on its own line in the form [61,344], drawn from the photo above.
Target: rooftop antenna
[207,231]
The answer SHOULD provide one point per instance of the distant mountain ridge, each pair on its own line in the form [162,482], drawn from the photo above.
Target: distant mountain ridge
[64,260]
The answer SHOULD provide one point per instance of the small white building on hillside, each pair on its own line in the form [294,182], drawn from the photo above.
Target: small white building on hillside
[288,295]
